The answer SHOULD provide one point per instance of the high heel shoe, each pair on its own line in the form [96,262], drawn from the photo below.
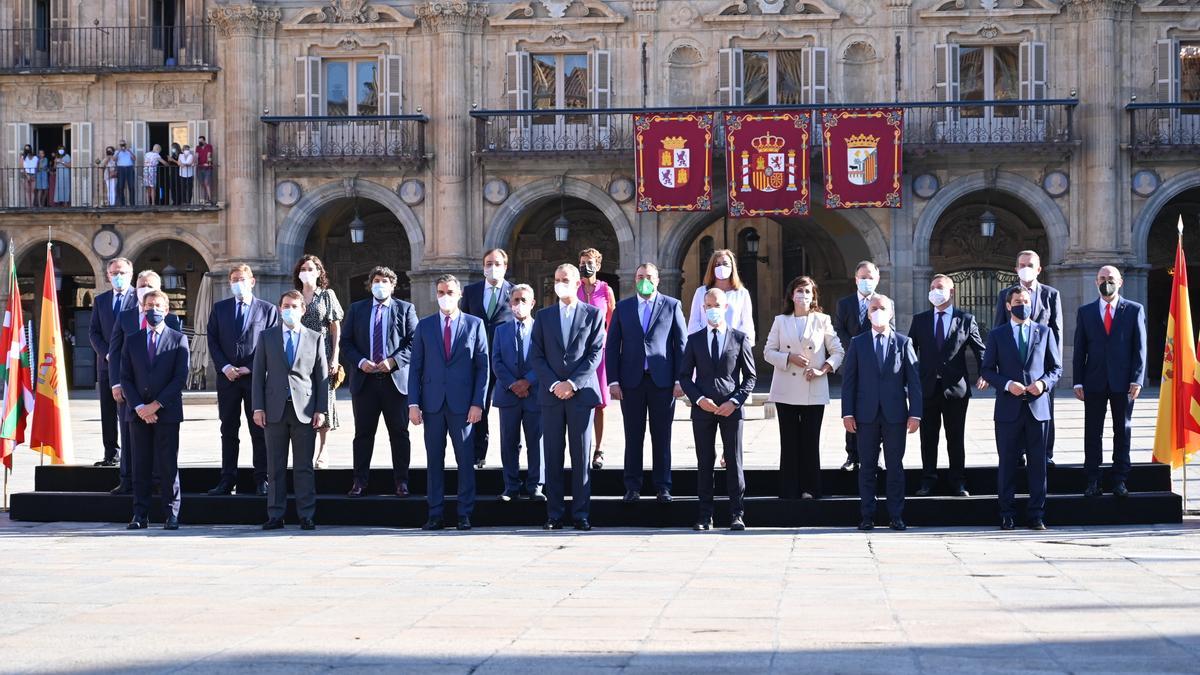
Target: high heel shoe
[319,463]
[598,460]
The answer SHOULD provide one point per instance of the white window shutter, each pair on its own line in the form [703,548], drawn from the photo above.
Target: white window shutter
[302,85]
[817,89]
[308,85]
[1032,74]
[81,160]
[393,76]
[731,78]
[1166,68]
[196,129]
[518,96]
[138,135]
[19,134]
[946,80]
[600,70]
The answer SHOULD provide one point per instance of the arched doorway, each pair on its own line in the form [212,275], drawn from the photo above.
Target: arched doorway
[183,273]
[347,263]
[540,252]
[75,282]
[1160,259]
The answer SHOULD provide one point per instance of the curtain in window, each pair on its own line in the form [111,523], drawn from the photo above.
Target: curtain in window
[789,77]
[756,66]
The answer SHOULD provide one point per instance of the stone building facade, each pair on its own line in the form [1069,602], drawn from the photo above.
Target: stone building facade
[440,129]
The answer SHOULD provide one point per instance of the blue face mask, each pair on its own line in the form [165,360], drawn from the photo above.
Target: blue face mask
[1020,312]
[289,315]
[714,315]
[120,282]
[155,316]
[867,286]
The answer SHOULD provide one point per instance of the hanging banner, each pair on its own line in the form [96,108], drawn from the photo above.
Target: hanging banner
[674,161]
[863,152]
[767,163]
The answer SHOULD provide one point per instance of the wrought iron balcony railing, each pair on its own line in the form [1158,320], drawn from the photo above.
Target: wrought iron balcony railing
[90,187]
[106,48]
[377,138]
[1164,126]
[927,125]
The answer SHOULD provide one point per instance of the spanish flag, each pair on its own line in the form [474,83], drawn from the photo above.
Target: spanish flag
[1177,432]
[50,432]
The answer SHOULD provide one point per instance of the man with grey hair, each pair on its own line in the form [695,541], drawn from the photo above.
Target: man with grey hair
[516,396]
[851,318]
[105,309]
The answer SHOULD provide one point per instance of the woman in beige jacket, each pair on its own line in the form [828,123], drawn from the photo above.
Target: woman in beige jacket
[804,349]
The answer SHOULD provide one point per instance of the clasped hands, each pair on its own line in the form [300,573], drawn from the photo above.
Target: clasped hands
[384,366]
[232,373]
[852,426]
[724,410]
[149,412]
[260,418]
[1018,389]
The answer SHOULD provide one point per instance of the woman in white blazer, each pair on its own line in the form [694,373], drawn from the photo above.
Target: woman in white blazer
[804,349]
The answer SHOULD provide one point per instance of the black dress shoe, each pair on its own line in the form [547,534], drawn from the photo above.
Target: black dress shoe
[260,488]
[962,491]
[172,523]
[537,495]
[464,523]
[866,524]
[553,525]
[1049,461]
[632,495]
[223,488]
[480,464]
[307,524]
[1006,523]
[1037,524]
[138,524]
[925,490]
[507,496]
[664,497]
[583,525]
[850,465]
[357,490]
[898,525]
[1120,490]
[737,524]
[122,489]
[701,525]
[273,524]
[433,524]
[108,462]
[1093,489]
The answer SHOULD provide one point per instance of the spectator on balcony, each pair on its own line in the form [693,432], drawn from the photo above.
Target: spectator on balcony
[43,180]
[126,167]
[150,172]
[29,166]
[204,160]
[48,195]
[187,173]
[108,167]
[62,178]
[168,177]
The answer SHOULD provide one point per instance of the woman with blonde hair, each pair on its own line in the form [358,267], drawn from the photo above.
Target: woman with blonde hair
[722,273]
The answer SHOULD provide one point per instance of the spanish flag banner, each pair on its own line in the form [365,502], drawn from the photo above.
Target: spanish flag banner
[50,432]
[1177,432]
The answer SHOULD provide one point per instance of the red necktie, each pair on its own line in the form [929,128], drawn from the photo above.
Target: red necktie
[446,338]
[1107,319]
[143,321]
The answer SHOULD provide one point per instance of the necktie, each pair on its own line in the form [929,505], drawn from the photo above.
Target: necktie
[446,338]
[152,347]
[290,348]
[646,329]
[1107,319]
[1023,344]
[939,330]
[566,326]
[238,313]
[715,349]
[879,350]
[491,303]
[117,298]
[521,348]
[144,324]
[377,335]
[862,311]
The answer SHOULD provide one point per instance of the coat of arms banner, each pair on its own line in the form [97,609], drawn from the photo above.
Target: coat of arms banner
[863,150]
[674,161]
[767,163]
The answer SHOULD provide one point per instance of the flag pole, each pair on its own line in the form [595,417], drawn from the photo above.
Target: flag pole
[1179,229]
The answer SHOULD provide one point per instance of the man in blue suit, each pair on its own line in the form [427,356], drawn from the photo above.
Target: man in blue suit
[376,344]
[1109,368]
[567,345]
[154,370]
[645,350]
[488,300]
[851,317]
[447,383]
[233,329]
[104,316]
[881,399]
[1022,363]
[129,322]
[516,395]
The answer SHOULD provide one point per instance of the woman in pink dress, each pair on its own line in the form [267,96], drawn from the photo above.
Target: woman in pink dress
[598,294]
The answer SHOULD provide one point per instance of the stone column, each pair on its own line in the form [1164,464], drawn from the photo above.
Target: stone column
[240,166]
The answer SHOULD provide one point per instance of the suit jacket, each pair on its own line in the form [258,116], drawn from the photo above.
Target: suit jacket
[846,323]
[1002,363]
[101,328]
[143,383]
[868,394]
[305,381]
[1109,362]
[231,344]
[949,364]
[818,342]
[732,378]
[505,365]
[355,342]
[458,382]
[576,361]
[1047,311]
[128,323]
[473,302]
[630,351]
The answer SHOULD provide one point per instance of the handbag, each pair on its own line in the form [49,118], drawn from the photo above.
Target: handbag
[339,376]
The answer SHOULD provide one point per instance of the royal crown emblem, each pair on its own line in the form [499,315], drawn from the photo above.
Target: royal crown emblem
[674,162]
[862,159]
[768,167]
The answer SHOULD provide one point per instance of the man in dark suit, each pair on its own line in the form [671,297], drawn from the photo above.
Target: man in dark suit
[851,319]
[1046,309]
[567,345]
[129,322]
[645,350]
[376,344]
[447,384]
[290,396]
[105,309]
[881,399]
[940,338]
[1109,368]
[488,300]
[233,330]
[154,370]
[1022,362]
[716,373]
[516,395]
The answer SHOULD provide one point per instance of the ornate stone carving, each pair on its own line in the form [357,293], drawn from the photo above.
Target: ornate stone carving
[242,20]
[350,11]
[163,96]
[48,98]
[452,15]
[556,8]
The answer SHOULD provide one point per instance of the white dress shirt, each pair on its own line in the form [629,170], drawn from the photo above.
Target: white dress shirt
[739,312]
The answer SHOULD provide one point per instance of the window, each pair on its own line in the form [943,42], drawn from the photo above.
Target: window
[774,77]
[989,74]
[965,73]
[351,88]
[559,81]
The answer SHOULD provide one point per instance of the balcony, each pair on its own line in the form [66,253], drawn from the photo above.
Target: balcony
[95,188]
[96,49]
[928,127]
[371,139]
[1164,128]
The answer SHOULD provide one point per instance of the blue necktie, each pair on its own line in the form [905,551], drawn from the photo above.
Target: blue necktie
[521,348]
[646,329]
[566,327]
[377,335]
[879,350]
[117,298]
[290,348]
[152,347]
[237,316]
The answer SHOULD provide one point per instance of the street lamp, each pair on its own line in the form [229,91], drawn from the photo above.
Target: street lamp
[562,226]
[987,224]
[358,229]
[172,280]
[753,240]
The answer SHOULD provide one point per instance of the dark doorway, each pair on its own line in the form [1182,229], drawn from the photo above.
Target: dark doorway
[165,16]
[1160,256]
[48,137]
[76,284]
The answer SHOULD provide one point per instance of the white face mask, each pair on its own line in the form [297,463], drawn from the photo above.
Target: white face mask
[879,318]
[938,296]
[520,310]
[381,291]
[447,302]
[494,273]
[804,298]
[240,289]
[723,272]
[564,290]
[308,277]
[141,293]
[714,315]
[1027,274]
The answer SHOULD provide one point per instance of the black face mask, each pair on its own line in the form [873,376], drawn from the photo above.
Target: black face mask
[1107,288]
[588,270]
[1020,312]
[108,152]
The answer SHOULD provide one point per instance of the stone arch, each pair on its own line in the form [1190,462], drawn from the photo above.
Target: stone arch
[1144,220]
[139,241]
[1058,233]
[503,225]
[73,239]
[299,221]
